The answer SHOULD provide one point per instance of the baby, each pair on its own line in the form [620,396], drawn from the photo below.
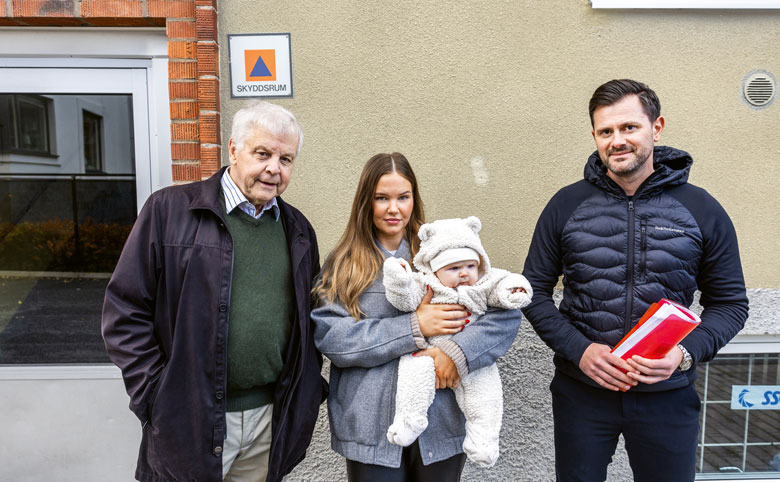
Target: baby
[454,264]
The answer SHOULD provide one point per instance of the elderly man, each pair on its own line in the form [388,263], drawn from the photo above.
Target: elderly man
[632,232]
[207,315]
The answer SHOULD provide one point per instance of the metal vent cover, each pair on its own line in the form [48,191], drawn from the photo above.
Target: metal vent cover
[759,88]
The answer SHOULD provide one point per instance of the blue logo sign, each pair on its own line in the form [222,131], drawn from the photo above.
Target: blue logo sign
[742,400]
[755,397]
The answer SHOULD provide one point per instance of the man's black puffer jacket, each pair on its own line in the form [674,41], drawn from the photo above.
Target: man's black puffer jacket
[618,254]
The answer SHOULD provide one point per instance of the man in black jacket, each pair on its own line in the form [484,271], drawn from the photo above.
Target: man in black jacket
[207,316]
[632,232]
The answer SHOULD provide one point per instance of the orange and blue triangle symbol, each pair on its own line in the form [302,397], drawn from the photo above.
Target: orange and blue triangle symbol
[260,65]
[260,69]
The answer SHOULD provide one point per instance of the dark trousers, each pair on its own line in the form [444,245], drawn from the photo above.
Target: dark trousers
[411,469]
[660,430]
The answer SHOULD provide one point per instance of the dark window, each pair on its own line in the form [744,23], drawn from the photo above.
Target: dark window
[25,124]
[93,141]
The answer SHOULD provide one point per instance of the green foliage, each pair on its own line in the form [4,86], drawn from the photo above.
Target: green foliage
[50,246]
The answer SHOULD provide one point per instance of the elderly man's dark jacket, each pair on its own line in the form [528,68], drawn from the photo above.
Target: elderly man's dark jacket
[165,324]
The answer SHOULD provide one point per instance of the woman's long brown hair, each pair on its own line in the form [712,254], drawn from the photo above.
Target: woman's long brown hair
[356,260]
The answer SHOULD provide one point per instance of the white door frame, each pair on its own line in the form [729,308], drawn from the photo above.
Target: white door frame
[96,61]
[71,422]
[94,81]
[106,54]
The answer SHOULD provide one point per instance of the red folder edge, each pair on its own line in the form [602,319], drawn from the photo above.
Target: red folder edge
[665,336]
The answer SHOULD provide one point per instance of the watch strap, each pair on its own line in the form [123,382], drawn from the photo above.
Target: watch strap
[687,359]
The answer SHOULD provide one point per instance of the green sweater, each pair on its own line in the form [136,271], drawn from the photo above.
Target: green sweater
[262,306]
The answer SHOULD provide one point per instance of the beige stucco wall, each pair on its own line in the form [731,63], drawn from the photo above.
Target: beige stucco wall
[508,82]
[488,100]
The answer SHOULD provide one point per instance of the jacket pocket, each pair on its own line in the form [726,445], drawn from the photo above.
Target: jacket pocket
[155,384]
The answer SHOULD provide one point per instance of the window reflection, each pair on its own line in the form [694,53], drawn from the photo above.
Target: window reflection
[93,141]
[24,124]
[67,203]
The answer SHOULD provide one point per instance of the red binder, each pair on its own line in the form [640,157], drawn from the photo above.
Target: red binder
[659,330]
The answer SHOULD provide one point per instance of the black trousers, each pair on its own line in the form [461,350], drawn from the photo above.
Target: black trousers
[660,430]
[411,469]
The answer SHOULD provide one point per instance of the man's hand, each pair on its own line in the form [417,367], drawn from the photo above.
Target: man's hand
[604,368]
[446,371]
[647,370]
[440,319]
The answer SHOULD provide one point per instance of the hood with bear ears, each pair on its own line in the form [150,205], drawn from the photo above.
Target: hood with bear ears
[444,234]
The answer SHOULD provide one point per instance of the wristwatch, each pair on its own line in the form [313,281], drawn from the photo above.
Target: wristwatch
[687,359]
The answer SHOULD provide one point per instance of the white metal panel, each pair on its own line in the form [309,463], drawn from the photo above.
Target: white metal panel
[159,116]
[67,430]
[143,142]
[46,80]
[88,42]
[59,372]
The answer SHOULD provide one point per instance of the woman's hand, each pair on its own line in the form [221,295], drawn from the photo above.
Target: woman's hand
[446,371]
[440,319]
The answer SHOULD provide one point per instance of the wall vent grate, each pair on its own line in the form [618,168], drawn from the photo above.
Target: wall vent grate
[759,89]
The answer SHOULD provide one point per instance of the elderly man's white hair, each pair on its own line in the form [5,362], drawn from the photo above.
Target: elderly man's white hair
[267,116]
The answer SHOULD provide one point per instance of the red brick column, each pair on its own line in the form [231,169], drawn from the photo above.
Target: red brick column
[208,86]
[193,63]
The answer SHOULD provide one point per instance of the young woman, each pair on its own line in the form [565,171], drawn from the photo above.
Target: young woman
[363,335]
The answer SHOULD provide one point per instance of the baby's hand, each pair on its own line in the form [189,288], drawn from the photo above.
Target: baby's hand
[397,268]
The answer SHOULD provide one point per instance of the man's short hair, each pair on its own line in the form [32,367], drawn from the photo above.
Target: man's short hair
[614,91]
[267,116]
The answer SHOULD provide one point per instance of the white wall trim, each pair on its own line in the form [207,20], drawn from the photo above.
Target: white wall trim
[59,372]
[83,42]
[687,4]
[743,344]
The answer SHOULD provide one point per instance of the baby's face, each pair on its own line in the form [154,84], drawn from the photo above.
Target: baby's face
[460,273]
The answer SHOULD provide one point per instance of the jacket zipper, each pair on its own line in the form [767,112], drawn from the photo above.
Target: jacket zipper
[643,250]
[630,267]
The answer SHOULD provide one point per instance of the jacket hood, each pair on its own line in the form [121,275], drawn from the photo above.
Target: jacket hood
[671,168]
[446,234]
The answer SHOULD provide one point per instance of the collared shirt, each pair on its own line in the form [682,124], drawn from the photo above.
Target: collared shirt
[234,198]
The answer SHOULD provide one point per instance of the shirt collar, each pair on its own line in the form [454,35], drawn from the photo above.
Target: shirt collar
[234,198]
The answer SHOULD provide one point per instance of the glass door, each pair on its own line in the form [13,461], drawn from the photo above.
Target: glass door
[74,170]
